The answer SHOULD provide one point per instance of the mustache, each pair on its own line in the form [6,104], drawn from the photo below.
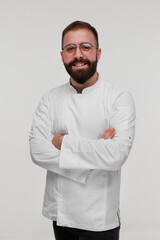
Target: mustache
[79,60]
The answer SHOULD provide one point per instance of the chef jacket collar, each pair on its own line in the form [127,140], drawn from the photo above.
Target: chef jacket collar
[87,89]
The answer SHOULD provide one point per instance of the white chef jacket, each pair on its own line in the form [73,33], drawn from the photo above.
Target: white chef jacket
[83,178]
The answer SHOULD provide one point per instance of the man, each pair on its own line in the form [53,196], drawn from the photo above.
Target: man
[82,134]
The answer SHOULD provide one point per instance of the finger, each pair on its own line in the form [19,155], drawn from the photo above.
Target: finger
[53,141]
[63,133]
[53,138]
[109,135]
[108,132]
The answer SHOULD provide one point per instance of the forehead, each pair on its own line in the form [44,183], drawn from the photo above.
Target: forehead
[78,36]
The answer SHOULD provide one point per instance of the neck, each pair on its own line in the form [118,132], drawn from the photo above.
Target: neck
[88,83]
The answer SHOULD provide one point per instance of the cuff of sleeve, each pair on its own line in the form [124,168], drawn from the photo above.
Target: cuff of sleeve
[69,158]
[68,154]
[71,150]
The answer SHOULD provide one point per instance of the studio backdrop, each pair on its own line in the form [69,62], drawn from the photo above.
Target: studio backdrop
[30,65]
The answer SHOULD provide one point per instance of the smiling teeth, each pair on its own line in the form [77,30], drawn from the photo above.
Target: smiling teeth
[79,65]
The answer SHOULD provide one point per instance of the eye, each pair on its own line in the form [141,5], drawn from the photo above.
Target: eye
[86,47]
[69,49]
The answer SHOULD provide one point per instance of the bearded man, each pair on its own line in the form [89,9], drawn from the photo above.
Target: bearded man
[82,133]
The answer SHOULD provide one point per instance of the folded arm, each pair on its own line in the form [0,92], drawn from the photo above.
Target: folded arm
[43,152]
[107,154]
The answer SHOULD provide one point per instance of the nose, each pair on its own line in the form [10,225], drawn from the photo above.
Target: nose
[78,52]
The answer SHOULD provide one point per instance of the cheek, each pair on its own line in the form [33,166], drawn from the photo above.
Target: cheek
[91,57]
[67,59]
[94,58]
[64,58]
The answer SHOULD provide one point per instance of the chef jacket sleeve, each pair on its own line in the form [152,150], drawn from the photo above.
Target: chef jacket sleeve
[107,154]
[43,152]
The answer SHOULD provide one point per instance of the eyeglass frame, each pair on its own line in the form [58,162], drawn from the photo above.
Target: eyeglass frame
[76,45]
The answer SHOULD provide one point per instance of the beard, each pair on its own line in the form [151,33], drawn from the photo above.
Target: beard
[81,75]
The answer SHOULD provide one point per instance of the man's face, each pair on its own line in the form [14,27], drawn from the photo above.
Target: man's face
[79,66]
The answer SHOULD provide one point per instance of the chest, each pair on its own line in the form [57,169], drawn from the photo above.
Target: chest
[81,115]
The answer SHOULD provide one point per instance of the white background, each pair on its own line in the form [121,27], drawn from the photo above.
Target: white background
[30,64]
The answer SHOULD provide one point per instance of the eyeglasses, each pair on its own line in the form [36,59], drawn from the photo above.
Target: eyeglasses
[85,48]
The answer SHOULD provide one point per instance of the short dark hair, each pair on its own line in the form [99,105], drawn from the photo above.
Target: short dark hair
[80,25]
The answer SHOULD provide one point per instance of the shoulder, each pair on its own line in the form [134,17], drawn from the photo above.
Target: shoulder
[110,87]
[54,93]
[116,94]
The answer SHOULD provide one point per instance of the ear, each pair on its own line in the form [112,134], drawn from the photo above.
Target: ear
[98,54]
[62,56]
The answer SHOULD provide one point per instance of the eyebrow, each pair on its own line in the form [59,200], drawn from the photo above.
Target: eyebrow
[77,44]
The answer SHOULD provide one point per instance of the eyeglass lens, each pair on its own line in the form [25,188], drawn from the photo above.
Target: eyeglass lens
[85,48]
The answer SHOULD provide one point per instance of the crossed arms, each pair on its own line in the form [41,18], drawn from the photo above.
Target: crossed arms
[57,139]
[73,157]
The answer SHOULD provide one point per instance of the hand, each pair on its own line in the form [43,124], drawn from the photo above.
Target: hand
[57,140]
[109,133]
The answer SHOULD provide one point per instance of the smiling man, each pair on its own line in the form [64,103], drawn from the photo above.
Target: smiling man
[81,56]
[82,133]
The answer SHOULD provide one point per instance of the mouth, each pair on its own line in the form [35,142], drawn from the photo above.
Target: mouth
[80,65]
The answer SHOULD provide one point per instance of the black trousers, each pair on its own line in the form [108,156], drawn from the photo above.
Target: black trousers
[66,233]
